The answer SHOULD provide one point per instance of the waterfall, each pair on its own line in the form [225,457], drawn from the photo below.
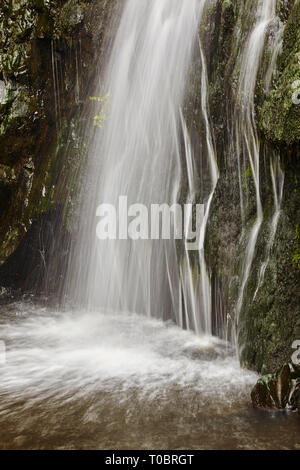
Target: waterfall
[214,173]
[246,127]
[138,154]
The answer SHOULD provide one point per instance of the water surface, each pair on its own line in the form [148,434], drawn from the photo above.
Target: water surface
[121,381]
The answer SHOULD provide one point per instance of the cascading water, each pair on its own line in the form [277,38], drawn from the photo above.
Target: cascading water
[214,173]
[187,285]
[277,176]
[196,285]
[138,155]
[246,126]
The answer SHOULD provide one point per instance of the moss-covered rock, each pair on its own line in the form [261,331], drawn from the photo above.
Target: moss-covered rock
[280,114]
[269,318]
[269,314]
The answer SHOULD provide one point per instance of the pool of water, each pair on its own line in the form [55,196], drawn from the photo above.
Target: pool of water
[121,381]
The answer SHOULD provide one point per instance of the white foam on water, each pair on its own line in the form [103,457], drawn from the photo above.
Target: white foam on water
[63,355]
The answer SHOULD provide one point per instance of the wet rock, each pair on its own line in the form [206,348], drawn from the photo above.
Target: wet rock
[295,371]
[294,402]
[283,386]
[48,55]
[40,270]
[260,395]
[280,114]
[265,332]
[273,391]
[5,295]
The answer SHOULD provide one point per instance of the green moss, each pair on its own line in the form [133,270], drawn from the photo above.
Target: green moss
[247,174]
[280,113]
[296,255]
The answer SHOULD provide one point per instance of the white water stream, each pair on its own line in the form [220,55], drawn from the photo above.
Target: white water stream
[247,129]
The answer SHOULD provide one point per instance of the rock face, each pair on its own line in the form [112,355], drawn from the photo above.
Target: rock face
[270,313]
[295,397]
[48,54]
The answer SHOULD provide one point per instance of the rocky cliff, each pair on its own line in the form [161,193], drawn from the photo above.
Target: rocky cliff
[269,320]
[49,51]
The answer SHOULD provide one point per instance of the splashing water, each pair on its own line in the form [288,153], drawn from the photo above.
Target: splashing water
[84,370]
[125,381]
